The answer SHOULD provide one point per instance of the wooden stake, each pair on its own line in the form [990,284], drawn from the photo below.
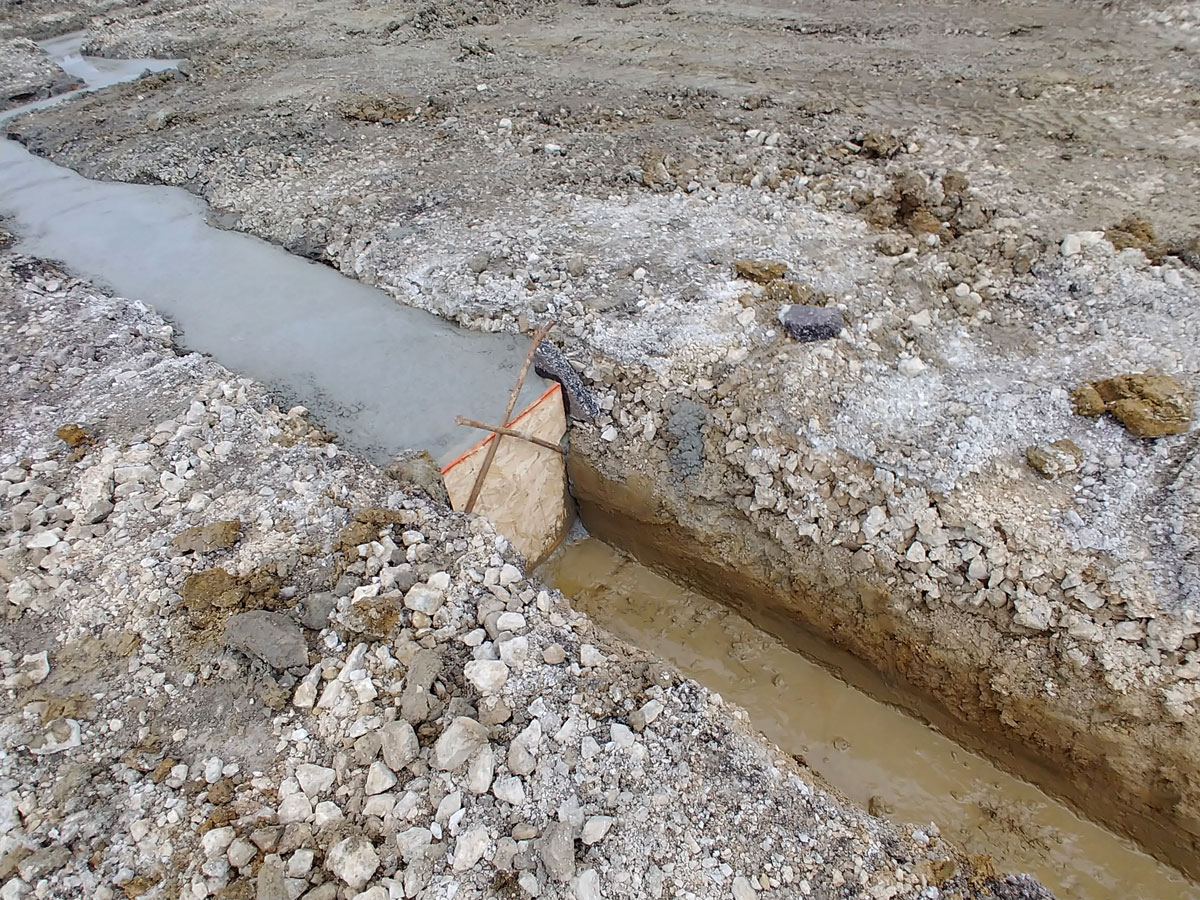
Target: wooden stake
[509,432]
[507,420]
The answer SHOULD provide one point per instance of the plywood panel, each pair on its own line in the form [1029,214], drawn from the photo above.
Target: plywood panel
[525,493]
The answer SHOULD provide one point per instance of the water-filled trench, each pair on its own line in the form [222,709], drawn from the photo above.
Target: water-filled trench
[384,377]
[875,754]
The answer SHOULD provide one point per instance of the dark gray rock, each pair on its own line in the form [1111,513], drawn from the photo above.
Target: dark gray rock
[270,884]
[1018,887]
[557,850]
[315,609]
[811,323]
[272,637]
[549,362]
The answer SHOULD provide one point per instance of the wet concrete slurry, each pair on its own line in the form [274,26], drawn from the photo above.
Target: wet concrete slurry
[383,377]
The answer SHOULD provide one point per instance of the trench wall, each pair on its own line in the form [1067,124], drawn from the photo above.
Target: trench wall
[1112,755]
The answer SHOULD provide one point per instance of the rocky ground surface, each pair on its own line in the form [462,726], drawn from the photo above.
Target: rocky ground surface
[997,199]
[26,74]
[238,663]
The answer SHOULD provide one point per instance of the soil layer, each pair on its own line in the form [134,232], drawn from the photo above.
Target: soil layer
[940,666]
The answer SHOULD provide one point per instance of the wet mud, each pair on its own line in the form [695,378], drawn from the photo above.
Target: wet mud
[870,751]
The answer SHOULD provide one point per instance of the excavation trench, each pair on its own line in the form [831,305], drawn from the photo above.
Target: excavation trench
[872,752]
[796,627]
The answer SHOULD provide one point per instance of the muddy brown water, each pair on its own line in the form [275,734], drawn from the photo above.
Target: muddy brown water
[873,753]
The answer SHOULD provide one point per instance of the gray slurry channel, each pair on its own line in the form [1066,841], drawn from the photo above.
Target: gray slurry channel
[384,377]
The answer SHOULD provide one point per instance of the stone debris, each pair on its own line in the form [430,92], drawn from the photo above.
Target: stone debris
[58,736]
[1056,459]
[420,470]
[811,323]
[556,849]
[595,829]
[399,744]
[761,271]
[487,675]
[73,435]
[1149,406]
[458,743]
[315,780]
[353,860]
[207,538]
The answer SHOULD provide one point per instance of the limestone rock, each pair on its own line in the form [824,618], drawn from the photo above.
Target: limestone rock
[314,780]
[640,718]
[400,745]
[522,752]
[353,860]
[423,598]
[59,735]
[1033,612]
[34,669]
[587,885]
[412,842]
[469,848]
[487,675]
[379,778]
[1147,405]
[241,852]
[510,789]
[1054,460]
[596,828]
[589,656]
[481,770]
[458,743]
[294,808]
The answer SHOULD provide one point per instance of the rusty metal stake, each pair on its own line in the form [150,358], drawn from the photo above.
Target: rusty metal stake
[509,432]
